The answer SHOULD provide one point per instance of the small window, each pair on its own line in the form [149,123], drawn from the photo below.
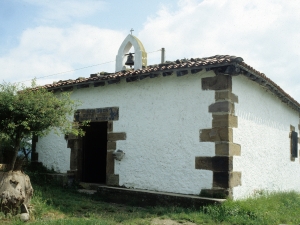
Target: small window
[294,144]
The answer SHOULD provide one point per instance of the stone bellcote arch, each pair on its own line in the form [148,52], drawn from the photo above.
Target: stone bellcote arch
[140,55]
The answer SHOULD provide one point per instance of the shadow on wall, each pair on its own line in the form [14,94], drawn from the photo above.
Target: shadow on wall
[261,121]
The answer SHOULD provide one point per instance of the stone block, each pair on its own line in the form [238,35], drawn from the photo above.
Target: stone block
[110,163]
[72,177]
[216,163]
[111,145]
[71,137]
[97,114]
[226,95]
[215,193]
[292,128]
[78,143]
[116,136]
[224,107]
[73,159]
[216,134]
[235,179]
[220,180]
[292,158]
[219,82]
[226,179]
[70,143]
[112,180]
[227,149]
[110,126]
[225,120]
[203,163]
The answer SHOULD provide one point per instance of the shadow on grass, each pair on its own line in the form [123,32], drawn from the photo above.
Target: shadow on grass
[53,204]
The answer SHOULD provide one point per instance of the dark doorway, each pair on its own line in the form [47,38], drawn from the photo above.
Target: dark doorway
[94,150]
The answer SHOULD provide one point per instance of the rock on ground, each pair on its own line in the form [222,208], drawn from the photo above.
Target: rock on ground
[15,190]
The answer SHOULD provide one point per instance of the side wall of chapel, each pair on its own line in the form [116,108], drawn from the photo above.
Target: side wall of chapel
[264,127]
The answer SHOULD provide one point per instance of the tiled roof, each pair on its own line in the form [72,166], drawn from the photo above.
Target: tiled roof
[225,64]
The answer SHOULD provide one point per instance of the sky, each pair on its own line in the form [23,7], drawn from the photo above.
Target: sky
[53,40]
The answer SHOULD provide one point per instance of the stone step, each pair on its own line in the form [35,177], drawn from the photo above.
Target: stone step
[89,186]
[86,191]
[152,198]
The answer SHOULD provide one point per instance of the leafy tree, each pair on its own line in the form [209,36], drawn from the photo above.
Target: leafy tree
[28,111]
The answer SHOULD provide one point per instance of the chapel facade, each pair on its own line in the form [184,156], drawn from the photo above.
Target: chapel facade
[192,126]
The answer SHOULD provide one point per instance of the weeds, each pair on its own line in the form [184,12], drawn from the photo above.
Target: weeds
[53,204]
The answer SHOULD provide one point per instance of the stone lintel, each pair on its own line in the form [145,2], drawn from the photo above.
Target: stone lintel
[226,179]
[227,149]
[116,136]
[97,114]
[111,145]
[219,82]
[216,163]
[112,180]
[216,134]
[224,106]
[226,95]
[225,120]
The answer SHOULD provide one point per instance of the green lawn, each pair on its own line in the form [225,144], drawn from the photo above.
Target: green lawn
[56,205]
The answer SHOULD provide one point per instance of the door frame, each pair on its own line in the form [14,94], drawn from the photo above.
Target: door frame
[109,115]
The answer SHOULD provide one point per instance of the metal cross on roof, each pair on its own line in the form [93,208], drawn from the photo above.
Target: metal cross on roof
[131,31]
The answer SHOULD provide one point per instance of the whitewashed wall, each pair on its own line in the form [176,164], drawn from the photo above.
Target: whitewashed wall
[263,132]
[53,152]
[162,118]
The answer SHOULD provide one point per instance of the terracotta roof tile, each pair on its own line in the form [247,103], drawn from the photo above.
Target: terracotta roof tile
[218,63]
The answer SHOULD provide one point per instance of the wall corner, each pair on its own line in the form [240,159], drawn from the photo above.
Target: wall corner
[224,121]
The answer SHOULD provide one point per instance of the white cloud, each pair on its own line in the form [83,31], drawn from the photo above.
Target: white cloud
[265,33]
[46,50]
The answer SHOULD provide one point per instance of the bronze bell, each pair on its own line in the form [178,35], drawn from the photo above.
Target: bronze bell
[129,61]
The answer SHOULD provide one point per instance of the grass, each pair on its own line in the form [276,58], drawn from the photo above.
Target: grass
[56,205]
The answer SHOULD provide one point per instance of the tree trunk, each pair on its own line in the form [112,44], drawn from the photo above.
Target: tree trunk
[17,145]
[15,190]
